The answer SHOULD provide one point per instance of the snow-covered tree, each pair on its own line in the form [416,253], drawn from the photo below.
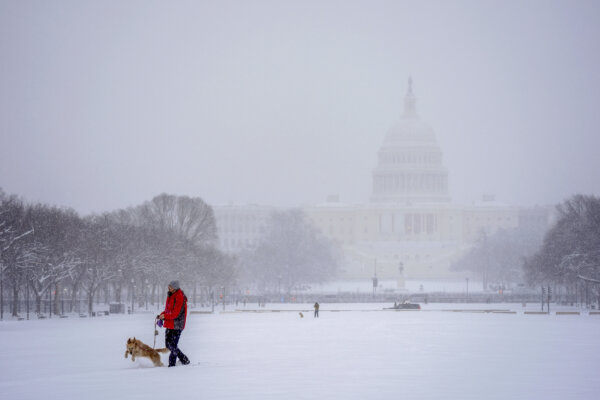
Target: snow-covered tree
[45,248]
[189,217]
[570,251]
[98,249]
[13,246]
[498,259]
[183,234]
[51,249]
[291,253]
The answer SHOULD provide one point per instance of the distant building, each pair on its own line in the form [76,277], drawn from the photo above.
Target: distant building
[241,227]
[410,229]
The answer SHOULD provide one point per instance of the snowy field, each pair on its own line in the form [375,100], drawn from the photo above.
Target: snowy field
[350,354]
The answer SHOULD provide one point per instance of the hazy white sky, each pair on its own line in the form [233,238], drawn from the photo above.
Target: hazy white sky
[105,104]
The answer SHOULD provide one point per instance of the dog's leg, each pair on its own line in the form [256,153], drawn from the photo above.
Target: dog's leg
[156,360]
[132,356]
[126,352]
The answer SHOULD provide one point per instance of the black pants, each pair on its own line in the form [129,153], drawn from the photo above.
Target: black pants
[317,313]
[171,341]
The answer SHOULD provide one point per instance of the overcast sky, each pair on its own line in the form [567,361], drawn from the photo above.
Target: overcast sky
[105,104]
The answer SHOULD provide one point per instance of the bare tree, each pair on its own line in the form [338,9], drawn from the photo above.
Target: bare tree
[291,253]
[97,255]
[191,218]
[569,254]
[499,258]
[52,253]
[44,248]
[13,232]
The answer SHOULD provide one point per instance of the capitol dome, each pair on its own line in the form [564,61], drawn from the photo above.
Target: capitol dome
[410,166]
[409,130]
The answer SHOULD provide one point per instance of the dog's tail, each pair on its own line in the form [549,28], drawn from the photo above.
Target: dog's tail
[163,350]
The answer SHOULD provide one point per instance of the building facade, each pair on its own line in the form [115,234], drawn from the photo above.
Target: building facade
[409,229]
[241,227]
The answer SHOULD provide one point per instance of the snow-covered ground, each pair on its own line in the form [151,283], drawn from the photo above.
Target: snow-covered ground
[356,354]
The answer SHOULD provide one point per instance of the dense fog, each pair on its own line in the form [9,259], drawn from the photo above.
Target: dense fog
[105,105]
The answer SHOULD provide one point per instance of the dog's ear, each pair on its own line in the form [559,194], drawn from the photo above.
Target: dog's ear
[129,340]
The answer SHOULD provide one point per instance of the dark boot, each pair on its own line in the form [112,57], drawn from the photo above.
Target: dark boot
[183,358]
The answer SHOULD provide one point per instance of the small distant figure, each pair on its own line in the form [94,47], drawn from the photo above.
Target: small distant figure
[301,315]
[316,310]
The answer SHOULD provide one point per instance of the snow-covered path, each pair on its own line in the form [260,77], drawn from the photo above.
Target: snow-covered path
[341,355]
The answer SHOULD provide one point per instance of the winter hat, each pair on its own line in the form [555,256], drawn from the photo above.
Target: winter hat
[174,284]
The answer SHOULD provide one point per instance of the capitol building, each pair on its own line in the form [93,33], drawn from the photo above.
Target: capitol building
[409,229]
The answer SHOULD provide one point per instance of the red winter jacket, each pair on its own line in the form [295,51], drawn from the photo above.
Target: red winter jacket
[175,310]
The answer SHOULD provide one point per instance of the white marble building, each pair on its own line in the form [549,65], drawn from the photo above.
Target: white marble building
[409,229]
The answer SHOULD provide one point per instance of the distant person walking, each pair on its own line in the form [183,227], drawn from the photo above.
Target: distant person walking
[174,318]
[316,310]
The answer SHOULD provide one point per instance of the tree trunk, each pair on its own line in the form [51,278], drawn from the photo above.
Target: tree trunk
[38,303]
[106,293]
[91,302]
[56,305]
[15,300]
[74,289]
[118,290]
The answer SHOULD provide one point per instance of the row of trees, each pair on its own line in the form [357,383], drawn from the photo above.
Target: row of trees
[49,249]
[570,253]
[48,252]
[498,258]
[291,254]
[565,256]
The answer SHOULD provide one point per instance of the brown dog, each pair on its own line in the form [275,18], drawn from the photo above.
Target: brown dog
[137,348]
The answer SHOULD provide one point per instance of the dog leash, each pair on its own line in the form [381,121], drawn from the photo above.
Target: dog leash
[155,333]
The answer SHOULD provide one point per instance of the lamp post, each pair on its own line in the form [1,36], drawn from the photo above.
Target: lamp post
[223,296]
[90,292]
[120,283]
[146,291]
[486,262]
[467,289]
[375,282]
[132,294]
[79,302]
[62,300]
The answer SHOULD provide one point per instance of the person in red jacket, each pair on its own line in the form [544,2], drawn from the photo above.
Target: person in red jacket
[174,321]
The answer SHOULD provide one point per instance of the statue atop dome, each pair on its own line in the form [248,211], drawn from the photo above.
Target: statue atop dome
[410,102]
